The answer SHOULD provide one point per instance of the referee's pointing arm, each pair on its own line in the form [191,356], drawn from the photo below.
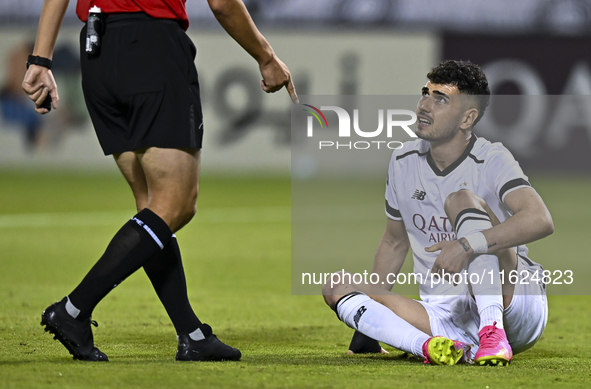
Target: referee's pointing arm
[235,19]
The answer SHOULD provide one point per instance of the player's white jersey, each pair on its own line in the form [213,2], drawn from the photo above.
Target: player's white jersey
[416,190]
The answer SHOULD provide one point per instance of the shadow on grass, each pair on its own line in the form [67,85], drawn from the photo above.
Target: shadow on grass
[269,346]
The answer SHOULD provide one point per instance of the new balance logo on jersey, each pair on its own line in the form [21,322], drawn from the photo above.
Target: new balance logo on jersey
[419,195]
[358,315]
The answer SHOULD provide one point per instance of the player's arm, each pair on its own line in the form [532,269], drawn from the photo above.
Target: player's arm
[235,19]
[531,221]
[39,81]
[391,252]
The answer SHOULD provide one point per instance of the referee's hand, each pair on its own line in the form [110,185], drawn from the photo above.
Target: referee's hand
[276,75]
[39,83]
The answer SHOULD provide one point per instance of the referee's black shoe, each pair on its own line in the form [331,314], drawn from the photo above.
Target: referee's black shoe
[75,335]
[208,349]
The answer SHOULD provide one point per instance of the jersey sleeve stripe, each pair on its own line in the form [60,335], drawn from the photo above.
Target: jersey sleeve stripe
[470,211]
[513,184]
[470,218]
[392,212]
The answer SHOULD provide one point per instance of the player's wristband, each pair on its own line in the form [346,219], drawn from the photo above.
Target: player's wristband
[478,242]
[41,61]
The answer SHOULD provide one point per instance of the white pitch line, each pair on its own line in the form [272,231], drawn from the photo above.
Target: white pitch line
[91,219]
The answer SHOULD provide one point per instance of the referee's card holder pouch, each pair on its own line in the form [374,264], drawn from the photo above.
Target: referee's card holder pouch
[95,28]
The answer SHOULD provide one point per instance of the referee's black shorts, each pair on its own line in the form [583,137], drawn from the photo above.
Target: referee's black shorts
[142,90]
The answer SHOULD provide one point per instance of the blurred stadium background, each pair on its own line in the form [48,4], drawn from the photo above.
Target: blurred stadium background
[333,47]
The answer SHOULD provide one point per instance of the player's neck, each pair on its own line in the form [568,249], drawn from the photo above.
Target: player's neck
[446,152]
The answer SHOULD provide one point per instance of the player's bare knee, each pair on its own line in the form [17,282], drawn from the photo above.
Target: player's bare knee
[331,295]
[462,199]
[335,287]
[328,289]
[330,300]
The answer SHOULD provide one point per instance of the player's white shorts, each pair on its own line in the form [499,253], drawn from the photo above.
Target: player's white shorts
[524,319]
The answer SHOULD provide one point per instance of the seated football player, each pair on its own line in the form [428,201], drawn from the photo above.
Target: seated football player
[466,209]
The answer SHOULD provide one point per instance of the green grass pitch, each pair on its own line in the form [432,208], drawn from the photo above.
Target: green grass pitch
[53,227]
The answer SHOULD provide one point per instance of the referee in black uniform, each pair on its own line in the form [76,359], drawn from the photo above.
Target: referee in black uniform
[142,94]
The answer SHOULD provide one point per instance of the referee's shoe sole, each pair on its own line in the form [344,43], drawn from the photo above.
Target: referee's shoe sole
[76,336]
[208,349]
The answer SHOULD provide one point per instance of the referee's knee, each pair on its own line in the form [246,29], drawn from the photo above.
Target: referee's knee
[177,213]
[186,212]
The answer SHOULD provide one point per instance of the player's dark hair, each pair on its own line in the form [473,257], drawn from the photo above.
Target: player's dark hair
[468,77]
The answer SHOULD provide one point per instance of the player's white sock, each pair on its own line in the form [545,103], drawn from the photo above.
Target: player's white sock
[490,315]
[488,295]
[488,292]
[375,320]
[71,309]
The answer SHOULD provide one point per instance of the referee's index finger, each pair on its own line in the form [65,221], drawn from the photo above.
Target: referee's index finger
[292,91]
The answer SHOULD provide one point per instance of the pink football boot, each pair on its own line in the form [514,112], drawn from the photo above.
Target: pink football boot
[494,347]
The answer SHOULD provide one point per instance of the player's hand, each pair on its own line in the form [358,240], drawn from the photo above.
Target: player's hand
[276,75]
[39,83]
[453,256]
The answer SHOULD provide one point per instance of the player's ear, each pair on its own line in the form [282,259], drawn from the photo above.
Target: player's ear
[469,118]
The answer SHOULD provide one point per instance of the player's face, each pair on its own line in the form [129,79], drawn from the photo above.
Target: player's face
[439,112]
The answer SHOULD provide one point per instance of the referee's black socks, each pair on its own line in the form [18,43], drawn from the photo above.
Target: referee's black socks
[145,235]
[165,270]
